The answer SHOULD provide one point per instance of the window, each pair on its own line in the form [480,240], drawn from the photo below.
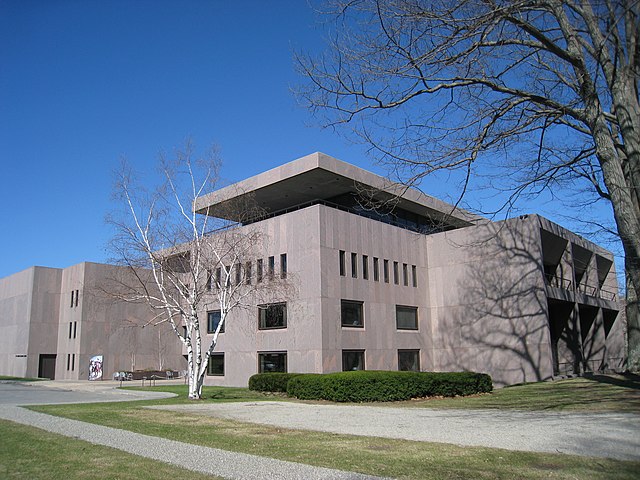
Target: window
[272,316]
[414,276]
[351,314]
[77,298]
[272,266]
[376,273]
[342,263]
[247,273]
[72,296]
[70,330]
[213,319]
[238,269]
[354,265]
[365,267]
[405,274]
[215,368]
[283,265]
[259,268]
[75,329]
[209,280]
[406,318]
[395,273]
[385,271]
[68,361]
[218,277]
[352,360]
[73,355]
[409,360]
[272,362]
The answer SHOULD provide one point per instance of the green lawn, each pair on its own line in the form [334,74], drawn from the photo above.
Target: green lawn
[32,454]
[20,379]
[386,457]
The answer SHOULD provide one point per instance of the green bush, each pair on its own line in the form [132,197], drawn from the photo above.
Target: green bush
[270,382]
[382,386]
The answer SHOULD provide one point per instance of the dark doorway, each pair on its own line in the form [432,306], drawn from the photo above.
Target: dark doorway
[47,366]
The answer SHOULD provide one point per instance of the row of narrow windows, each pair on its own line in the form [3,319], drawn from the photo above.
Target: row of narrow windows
[71,362]
[244,272]
[75,298]
[274,315]
[73,329]
[270,362]
[389,269]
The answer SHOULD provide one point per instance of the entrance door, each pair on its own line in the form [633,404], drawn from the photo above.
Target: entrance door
[47,366]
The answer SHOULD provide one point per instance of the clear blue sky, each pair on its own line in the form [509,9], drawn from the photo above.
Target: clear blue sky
[83,83]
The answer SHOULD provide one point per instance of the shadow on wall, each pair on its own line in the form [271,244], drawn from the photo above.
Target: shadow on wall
[506,325]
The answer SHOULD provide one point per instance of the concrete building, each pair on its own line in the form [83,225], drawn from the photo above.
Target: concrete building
[381,278]
[54,321]
[389,279]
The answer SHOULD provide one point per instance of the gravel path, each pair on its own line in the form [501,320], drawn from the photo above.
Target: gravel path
[210,461]
[609,435]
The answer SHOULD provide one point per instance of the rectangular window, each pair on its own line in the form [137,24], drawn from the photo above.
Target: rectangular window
[247,273]
[395,273]
[70,328]
[272,316]
[405,274]
[184,332]
[406,318]
[272,267]
[409,360]
[213,319]
[352,360]
[354,265]
[269,362]
[75,329]
[414,276]
[376,273]
[343,263]
[365,267]
[209,280]
[73,361]
[351,313]
[215,368]
[77,298]
[218,277]
[259,268]
[385,271]
[238,269]
[68,361]
[72,299]
[283,265]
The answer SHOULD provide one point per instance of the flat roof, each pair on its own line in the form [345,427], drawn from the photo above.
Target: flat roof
[321,177]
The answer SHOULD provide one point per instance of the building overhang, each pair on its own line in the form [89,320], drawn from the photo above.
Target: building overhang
[319,177]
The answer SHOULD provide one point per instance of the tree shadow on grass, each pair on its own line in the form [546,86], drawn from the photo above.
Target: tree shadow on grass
[627,380]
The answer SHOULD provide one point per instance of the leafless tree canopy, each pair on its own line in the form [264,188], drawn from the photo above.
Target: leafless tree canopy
[542,93]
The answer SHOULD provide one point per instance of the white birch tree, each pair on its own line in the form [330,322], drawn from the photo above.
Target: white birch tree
[182,263]
[543,93]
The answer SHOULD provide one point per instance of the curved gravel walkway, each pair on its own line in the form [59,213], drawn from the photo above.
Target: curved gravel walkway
[608,435]
[211,461]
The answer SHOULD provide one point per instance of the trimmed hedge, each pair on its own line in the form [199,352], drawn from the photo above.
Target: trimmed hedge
[271,382]
[383,386]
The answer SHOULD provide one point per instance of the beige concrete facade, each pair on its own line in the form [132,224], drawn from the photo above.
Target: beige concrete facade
[52,321]
[373,280]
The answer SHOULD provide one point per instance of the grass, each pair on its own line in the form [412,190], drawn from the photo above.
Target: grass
[377,456]
[594,394]
[30,453]
[20,379]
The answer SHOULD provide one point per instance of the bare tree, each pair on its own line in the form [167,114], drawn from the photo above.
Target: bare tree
[542,93]
[182,263]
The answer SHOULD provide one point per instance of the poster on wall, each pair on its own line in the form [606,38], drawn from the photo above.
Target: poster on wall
[95,368]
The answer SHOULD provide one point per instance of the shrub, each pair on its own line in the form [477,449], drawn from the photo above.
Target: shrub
[270,382]
[382,386]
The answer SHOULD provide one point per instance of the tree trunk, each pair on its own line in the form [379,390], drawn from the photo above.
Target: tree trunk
[633,328]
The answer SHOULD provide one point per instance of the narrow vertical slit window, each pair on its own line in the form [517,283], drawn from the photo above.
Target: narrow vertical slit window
[238,269]
[354,265]
[209,280]
[385,271]
[72,296]
[283,265]
[405,274]
[376,273]
[272,267]
[247,273]
[73,362]
[414,276]
[75,329]
[218,277]
[343,261]
[68,361]
[77,296]
[70,326]
[259,270]
[395,273]
[365,267]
